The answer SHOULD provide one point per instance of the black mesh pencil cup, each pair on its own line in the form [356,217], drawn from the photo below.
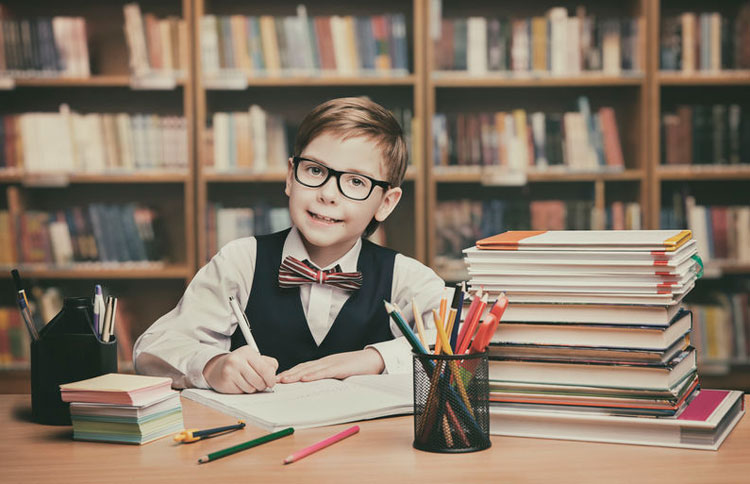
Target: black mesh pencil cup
[451,403]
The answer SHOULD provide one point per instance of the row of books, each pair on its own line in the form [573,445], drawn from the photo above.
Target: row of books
[97,232]
[577,140]
[43,46]
[722,331]
[261,142]
[70,142]
[303,45]
[254,140]
[701,134]
[225,224]
[156,46]
[461,222]
[723,231]
[706,41]
[595,337]
[15,343]
[551,44]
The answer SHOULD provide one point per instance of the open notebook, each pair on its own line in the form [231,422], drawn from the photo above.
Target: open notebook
[316,404]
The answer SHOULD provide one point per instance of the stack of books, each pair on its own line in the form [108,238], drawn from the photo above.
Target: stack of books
[129,409]
[595,336]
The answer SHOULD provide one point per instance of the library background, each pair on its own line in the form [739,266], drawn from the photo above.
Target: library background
[136,140]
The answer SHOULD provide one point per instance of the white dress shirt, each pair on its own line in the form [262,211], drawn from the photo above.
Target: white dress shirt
[180,343]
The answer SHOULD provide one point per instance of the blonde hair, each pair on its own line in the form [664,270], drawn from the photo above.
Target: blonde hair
[349,117]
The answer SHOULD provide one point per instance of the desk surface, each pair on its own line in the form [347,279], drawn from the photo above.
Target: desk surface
[381,452]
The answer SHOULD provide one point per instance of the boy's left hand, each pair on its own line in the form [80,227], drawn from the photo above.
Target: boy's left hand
[341,365]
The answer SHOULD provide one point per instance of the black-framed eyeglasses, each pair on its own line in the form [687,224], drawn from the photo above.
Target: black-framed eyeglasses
[355,186]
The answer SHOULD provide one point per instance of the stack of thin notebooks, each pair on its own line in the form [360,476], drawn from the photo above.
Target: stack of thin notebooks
[594,344]
[129,409]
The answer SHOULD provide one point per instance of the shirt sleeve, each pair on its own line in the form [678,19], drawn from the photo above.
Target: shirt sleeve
[180,343]
[411,280]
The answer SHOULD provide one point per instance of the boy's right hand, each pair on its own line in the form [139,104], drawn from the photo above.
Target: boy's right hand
[244,370]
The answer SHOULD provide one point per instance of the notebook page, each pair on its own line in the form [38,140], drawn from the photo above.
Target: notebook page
[314,404]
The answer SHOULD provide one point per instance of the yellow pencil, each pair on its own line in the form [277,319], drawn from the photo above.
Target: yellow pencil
[419,322]
[452,363]
[443,308]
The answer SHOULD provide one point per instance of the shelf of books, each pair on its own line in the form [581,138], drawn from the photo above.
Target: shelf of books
[260,68]
[537,119]
[700,159]
[96,161]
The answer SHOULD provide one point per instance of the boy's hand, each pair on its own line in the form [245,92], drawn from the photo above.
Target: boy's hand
[242,371]
[341,365]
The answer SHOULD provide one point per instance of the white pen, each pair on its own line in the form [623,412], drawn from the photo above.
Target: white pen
[243,322]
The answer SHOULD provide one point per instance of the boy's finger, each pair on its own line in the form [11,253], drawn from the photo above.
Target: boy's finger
[253,380]
[273,362]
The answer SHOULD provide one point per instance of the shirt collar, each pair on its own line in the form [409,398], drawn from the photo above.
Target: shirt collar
[294,247]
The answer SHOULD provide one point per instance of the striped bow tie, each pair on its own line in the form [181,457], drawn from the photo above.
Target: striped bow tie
[294,272]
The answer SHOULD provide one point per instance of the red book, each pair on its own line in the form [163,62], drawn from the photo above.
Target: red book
[325,43]
[612,146]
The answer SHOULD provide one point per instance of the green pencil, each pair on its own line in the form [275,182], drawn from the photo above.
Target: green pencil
[246,445]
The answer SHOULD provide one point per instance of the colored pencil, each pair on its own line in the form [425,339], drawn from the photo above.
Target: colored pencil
[418,321]
[321,445]
[471,326]
[193,435]
[469,316]
[246,445]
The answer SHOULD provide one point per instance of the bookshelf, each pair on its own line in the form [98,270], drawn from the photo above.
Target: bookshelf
[507,89]
[148,289]
[709,181]
[291,95]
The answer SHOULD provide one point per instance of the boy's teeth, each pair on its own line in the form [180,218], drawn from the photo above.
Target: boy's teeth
[326,219]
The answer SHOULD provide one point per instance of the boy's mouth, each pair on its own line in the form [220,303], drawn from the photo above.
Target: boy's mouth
[323,219]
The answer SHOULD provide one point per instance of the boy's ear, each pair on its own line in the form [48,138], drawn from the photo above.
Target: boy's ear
[289,177]
[388,203]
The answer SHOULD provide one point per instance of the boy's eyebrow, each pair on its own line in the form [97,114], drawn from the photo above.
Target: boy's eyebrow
[354,170]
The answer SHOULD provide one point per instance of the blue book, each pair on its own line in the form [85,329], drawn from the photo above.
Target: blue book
[255,46]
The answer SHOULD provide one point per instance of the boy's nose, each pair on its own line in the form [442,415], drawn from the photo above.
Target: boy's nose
[329,191]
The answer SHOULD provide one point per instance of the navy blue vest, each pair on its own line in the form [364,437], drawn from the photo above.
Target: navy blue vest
[278,321]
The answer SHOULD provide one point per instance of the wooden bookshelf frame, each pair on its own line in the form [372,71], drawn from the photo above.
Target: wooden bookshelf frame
[178,273]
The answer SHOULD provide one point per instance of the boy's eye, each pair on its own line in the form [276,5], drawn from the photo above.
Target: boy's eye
[315,170]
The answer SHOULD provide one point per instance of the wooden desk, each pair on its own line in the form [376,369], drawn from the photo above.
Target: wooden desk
[381,452]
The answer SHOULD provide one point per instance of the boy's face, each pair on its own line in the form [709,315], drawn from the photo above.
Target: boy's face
[329,222]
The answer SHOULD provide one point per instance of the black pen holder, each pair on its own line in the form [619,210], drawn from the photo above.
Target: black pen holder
[67,350]
[451,403]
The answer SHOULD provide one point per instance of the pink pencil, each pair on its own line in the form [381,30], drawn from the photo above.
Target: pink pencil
[321,445]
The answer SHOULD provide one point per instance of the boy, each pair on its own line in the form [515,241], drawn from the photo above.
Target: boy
[344,180]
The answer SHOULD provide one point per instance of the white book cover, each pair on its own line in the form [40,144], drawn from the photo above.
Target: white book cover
[221,141]
[625,240]
[595,334]
[260,138]
[602,375]
[477,45]
[558,31]
[209,46]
